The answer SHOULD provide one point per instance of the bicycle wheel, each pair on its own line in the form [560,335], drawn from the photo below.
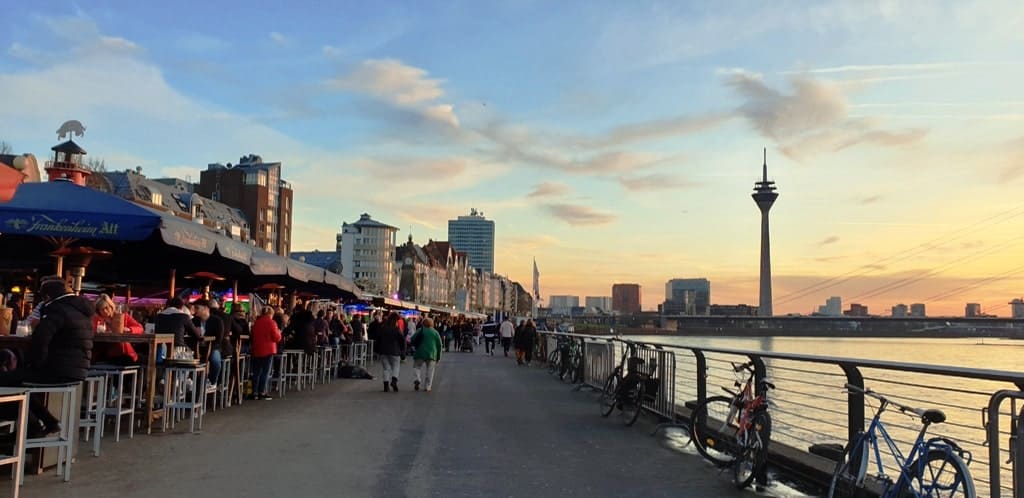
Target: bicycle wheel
[712,427]
[848,477]
[754,454]
[632,400]
[553,362]
[941,474]
[608,394]
[576,375]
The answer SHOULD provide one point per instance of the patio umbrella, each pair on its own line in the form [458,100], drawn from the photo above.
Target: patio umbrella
[67,211]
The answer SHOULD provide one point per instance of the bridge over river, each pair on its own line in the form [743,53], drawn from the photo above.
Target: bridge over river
[489,428]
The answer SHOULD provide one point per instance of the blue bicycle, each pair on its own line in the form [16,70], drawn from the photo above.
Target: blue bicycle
[934,467]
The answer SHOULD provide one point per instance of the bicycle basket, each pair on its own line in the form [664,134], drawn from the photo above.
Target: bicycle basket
[635,364]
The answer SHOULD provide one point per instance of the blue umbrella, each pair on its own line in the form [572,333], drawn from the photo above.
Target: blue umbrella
[63,209]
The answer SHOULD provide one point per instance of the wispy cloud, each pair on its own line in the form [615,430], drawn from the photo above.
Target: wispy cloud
[278,38]
[202,43]
[655,181]
[332,51]
[870,199]
[922,67]
[400,85]
[832,239]
[812,118]
[653,129]
[549,189]
[578,215]
[413,169]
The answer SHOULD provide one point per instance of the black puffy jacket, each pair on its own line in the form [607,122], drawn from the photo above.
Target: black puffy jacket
[61,347]
[390,342]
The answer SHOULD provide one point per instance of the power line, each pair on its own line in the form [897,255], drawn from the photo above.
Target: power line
[974,285]
[902,255]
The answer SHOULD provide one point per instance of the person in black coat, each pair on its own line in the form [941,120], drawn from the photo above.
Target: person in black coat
[173,319]
[390,347]
[60,350]
[303,334]
[212,326]
[524,340]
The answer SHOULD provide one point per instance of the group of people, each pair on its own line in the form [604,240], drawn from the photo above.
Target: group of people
[394,337]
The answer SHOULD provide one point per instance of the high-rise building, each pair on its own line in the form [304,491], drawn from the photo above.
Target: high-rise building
[599,303]
[764,195]
[256,188]
[900,311]
[972,310]
[917,310]
[687,296]
[1017,308]
[833,307]
[368,255]
[626,298]
[474,235]
[562,305]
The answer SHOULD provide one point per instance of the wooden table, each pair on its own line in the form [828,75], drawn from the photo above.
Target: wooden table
[153,341]
[16,395]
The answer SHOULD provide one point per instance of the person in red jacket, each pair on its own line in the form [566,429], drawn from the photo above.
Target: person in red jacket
[120,354]
[265,336]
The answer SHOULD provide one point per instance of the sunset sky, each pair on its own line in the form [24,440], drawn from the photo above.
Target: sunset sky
[612,141]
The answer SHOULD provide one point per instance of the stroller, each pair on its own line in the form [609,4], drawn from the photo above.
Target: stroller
[466,343]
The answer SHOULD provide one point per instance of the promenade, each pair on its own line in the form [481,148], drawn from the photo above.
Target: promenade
[488,429]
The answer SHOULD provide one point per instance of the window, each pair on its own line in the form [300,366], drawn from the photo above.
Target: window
[251,178]
[156,198]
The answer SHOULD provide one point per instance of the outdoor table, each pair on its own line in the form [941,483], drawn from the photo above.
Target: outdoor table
[16,395]
[153,341]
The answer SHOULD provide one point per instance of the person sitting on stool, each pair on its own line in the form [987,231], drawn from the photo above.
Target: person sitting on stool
[59,353]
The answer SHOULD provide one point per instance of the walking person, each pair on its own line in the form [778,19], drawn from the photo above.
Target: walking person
[524,340]
[428,352]
[391,349]
[265,336]
[507,331]
[490,338]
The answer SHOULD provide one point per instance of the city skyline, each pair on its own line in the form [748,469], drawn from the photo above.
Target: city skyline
[894,130]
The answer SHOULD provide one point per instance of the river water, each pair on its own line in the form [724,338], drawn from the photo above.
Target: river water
[810,407]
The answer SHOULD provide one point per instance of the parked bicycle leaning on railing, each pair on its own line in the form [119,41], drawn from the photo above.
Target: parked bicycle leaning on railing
[629,384]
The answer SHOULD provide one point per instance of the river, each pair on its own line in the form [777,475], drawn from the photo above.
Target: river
[809,405]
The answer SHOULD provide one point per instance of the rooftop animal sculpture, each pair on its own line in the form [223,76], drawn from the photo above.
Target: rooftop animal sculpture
[69,128]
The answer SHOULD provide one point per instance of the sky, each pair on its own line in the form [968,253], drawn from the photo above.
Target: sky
[614,142]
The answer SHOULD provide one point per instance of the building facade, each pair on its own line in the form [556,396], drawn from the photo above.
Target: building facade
[917,310]
[474,235]
[368,255]
[833,307]
[687,296]
[972,310]
[563,305]
[856,310]
[900,311]
[626,298]
[732,310]
[1017,308]
[600,304]
[257,189]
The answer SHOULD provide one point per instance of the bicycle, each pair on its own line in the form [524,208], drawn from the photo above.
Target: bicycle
[628,385]
[934,467]
[735,430]
[566,359]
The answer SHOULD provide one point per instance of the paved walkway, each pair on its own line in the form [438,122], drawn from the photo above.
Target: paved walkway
[488,429]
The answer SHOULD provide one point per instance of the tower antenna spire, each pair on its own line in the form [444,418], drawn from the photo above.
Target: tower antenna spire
[765,165]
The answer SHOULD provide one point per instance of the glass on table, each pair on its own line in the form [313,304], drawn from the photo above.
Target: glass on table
[101,328]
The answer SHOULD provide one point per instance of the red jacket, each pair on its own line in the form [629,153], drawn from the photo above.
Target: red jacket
[131,326]
[265,336]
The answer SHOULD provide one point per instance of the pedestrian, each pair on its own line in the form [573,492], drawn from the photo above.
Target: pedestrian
[524,341]
[391,349]
[320,328]
[448,335]
[428,352]
[265,336]
[490,331]
[507,331]
[358,329]
[478,331]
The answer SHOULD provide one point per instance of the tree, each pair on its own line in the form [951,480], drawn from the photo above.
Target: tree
[5,148]
[96,164]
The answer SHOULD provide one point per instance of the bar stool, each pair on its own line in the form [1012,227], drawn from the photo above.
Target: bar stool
[94,401]
[19,396]
[295,363]
[327,364]
[278,367]
[184,385]
[222,398]
[122,387]
[68,417]
[245,371]
[359,354]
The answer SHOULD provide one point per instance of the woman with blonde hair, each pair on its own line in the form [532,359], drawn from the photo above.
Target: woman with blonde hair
[105,320]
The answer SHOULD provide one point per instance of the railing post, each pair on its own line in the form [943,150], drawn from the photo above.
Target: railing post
[854,403]
[702,376]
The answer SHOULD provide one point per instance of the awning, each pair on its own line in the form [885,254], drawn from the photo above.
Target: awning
[187,234]
[265,263]
[63,209]
[304,272]
[234,250]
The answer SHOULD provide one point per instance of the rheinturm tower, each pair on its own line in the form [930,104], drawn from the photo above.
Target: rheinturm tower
[764,195]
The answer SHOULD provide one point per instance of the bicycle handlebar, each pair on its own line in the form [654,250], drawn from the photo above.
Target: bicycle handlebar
[748,366]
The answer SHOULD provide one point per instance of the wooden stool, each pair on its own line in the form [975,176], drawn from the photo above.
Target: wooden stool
[17,395]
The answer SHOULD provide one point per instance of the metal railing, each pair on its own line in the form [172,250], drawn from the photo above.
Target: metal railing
[810,406]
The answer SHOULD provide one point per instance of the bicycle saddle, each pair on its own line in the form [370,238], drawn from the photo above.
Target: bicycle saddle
[933,416]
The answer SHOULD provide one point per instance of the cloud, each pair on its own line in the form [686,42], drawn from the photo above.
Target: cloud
[413,169]
[1013,160]
[549,189]
[811,119]
[832,239]
[393,81]
[278,38]
[871,199]
[655,181]
[654,129]
[578,215]
[331,51]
